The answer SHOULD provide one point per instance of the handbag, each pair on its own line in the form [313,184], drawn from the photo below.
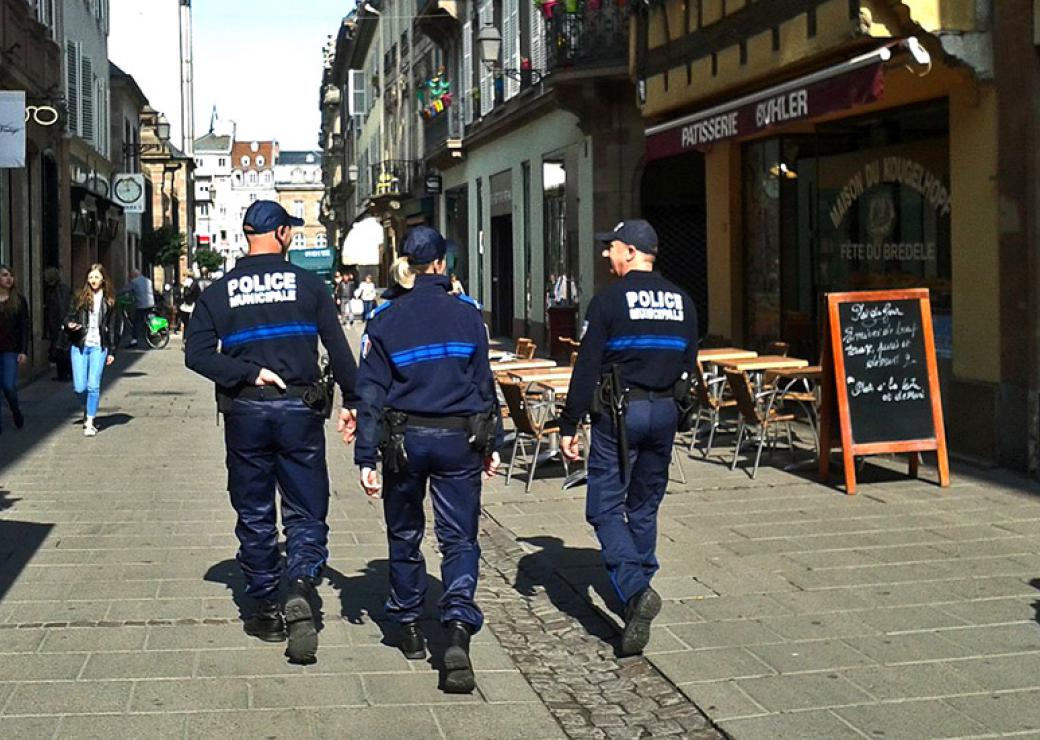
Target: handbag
[357,306]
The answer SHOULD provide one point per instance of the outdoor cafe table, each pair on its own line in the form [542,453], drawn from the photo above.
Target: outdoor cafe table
[541,373]
[767,362]
[720,355]
[505,367]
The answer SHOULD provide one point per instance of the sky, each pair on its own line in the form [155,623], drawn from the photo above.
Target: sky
[258,61]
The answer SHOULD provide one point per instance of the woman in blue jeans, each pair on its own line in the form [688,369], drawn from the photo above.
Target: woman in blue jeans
[14,341]
[93,333]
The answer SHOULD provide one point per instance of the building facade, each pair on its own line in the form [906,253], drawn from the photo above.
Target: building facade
[252,179]
[34,198]
[298,183]
[128,102]
[216,210]
[833,146]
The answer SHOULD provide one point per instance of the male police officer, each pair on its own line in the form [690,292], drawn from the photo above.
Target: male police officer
[637,354]
[267,316]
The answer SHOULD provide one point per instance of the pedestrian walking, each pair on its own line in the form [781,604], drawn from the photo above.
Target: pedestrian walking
[456,285]
[189,294]
[367,293]
[144,303]
[638,349]
[344,292]
[14,342]
[56,299]
[94,335]
[255,335]
[429,410]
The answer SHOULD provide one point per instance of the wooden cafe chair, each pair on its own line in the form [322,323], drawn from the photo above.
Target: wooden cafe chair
[753,417]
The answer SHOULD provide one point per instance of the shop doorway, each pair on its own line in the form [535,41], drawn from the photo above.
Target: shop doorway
[673,198]
[502,276]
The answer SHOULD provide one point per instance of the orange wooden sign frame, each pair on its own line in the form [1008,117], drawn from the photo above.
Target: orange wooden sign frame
[835,398]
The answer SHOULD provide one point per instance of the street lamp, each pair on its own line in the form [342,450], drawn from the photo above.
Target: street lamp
[162,133]
[490,42]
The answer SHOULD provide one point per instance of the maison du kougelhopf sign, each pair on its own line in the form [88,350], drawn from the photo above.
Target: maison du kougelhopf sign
[757,114]
[12,129]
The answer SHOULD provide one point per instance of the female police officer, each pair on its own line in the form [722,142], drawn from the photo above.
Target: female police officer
[428,404]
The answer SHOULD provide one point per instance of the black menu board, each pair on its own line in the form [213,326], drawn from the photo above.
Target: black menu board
[886,371]
[880,380]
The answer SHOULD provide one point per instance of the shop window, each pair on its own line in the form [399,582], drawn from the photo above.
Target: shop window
[861,204]
[561,288]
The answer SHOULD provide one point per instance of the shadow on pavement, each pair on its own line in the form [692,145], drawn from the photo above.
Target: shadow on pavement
[1035,583]
[112,420]
[564,572]
[230,574]
[19,541]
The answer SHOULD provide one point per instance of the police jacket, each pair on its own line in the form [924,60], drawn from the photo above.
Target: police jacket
[267,313]
[108,325]
[425,352]
[645,325]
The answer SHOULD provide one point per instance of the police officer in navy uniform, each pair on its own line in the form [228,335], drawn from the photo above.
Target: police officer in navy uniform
[255,334]
[640,335]
[428,405]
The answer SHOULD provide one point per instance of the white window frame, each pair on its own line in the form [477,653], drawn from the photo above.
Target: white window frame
[511,44]
[485,17]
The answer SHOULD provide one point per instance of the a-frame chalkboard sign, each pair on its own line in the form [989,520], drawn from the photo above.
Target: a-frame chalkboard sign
[881,383]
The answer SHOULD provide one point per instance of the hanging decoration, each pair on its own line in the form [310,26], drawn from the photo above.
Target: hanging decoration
[435,95]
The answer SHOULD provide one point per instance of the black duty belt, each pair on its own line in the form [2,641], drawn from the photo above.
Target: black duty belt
[438,422]
[269,392]
[645,394]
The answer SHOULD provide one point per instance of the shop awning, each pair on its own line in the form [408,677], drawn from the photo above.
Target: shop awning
[855,82]
[362,243]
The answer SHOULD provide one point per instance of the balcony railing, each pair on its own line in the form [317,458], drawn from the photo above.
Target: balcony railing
[596,35]
[395,177]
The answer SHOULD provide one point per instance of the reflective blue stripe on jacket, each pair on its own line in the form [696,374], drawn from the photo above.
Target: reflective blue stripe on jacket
[426,352]
[267,313]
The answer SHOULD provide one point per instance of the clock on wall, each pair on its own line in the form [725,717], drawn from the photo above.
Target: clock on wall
[129,192]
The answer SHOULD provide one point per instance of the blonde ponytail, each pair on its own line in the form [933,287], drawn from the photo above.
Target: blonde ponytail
[404,273]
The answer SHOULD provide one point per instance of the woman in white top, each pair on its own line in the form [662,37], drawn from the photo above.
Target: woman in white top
[367,293]
[93,334]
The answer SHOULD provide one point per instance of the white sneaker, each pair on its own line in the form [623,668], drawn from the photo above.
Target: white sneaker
[89,430]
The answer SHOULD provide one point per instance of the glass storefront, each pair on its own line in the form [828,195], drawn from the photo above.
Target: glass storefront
[860,204]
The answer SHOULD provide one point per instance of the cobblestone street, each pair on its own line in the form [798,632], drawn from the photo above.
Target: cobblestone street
[791,610]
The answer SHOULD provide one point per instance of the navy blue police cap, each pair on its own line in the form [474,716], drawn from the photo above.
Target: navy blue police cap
[424,245]
[264,216]
[637,232]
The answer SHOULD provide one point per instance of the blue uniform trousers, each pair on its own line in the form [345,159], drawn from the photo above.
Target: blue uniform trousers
[445,459]
[624,513]
[281,443]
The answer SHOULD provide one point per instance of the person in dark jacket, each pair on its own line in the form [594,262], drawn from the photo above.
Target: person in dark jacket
[642,330]
[94,333]
[14,341]
[56,299]
[255,334]
[428,406]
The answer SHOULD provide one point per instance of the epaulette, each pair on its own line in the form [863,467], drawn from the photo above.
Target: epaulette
[470,300]
[379,309]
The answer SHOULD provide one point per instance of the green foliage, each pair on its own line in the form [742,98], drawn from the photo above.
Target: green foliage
[209,259]
[163,246]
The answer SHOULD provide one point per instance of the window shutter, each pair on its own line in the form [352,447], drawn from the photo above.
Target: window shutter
[72,85]
[537,38]
[467,71]
[88,129]
[356,93]
[486,17]
[511,43]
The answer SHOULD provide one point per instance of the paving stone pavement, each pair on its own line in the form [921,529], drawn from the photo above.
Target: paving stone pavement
[119,600]
[790,610]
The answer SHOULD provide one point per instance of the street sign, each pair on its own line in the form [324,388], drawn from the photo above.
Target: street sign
[128,189]
[433,184]
[12,129]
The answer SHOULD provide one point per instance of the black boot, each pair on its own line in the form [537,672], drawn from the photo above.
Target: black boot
[266,623]
[458,671]
[639,613]
[299,622]
[19,420]
[413,642]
